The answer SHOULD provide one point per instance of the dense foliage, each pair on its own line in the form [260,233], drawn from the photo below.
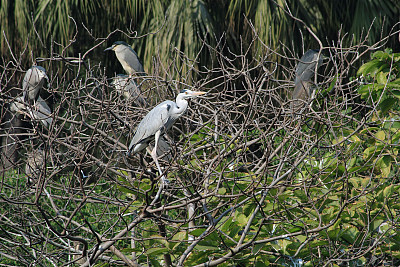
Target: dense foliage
[165,28]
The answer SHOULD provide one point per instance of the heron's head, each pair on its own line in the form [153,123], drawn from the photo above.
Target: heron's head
[39,72]
[310,56]
[33,81]
[186,93]
[118,45]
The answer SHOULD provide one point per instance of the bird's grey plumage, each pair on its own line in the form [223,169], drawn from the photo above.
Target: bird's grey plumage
[129,89]
[305,71]
[38,111]
[128,58]
[18,105]
[160,119]
[33,81]
[157,122]
[41,111]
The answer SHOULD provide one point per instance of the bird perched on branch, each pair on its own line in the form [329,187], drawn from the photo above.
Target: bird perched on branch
[128,58]
[30,102]
[129,89]
[159,120]
[33,82]
[305,70]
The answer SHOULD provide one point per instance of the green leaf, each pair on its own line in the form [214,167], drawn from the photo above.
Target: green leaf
[257,248]
[241,219]
[369,68]
[125,190]
[388,191]
[197,232]
[179,236]
[222,191]
[385,164]
[154,262]
[381,77]
[387,104]
[202,247]
[396,93]
[380,135]
[354,181]
[156,251]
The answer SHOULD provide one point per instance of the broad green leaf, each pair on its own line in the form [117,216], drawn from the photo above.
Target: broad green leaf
[241,219]
[387,104]
[396,93]
[156,251]
[125,190]
[222,191]
[371,67]
[257,248]
[226,226]
[197,232]
[381,77]
[354,181]
[385,164]
[262,263]
[179,236]
[202,247]
[388,191]
[380,135]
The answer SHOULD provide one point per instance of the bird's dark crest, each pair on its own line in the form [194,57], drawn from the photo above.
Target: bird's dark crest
[184,90]
[121,43]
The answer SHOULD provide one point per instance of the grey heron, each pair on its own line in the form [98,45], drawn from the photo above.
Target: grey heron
[38,111]
[33,82]
[159,120]
[128,58]
[129,89]
[30,103]
[305,70]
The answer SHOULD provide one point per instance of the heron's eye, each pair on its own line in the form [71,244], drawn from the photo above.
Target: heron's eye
[186,92]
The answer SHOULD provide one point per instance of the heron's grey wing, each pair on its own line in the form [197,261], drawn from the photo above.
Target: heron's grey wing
[306,68]
[18,105]
[129,89]
[302,90]
[301,93]
[134,59]
[134,92]
[42,112]
[151,123]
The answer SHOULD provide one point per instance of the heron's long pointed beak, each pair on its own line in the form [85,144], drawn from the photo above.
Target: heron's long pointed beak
[198,93]
[109,48]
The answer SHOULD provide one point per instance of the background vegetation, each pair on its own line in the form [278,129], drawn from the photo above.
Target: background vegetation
[34,29]
[268,187]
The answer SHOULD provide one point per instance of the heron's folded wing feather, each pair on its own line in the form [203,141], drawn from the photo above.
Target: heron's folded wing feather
[151,123]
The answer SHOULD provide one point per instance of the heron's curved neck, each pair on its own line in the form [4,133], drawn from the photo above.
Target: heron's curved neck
[181,104]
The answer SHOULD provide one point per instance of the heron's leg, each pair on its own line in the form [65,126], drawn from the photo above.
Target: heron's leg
[154,156]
